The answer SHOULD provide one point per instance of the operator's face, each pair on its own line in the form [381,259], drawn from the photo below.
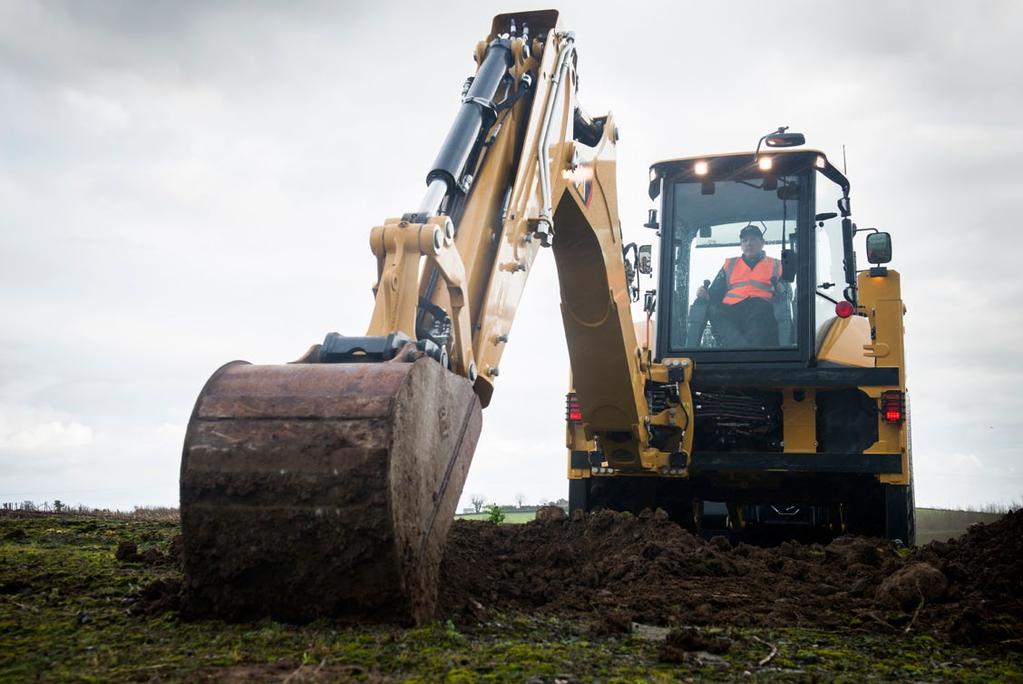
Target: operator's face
[751,245]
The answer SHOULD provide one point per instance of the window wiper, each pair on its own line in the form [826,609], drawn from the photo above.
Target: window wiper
[827,297]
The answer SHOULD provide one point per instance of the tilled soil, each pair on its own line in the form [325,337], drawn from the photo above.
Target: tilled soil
[615,569]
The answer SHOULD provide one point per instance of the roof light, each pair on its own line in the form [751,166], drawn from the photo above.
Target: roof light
[821,162]
[700,168]
[893,406]
[765,163]
[844,309]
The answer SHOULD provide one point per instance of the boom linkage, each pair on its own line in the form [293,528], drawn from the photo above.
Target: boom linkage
[508,177]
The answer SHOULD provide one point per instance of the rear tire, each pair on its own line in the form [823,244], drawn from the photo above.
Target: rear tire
[633,494]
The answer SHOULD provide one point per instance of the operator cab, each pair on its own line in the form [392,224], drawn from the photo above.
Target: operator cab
[708,204]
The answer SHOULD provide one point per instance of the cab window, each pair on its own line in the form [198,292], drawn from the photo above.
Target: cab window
[729,291]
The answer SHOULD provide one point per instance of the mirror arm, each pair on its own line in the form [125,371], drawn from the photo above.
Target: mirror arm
[756,154]
[848,230]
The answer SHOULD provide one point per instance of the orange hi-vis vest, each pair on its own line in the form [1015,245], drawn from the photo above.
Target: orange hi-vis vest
[745,282]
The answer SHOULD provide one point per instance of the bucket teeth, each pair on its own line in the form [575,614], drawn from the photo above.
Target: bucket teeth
[323,490]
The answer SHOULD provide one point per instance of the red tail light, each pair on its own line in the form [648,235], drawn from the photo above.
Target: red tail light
[844,309]
[893,406]
[573,414]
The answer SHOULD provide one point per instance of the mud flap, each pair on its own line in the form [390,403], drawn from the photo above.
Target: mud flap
[323,490]
[579,495]
[900,513]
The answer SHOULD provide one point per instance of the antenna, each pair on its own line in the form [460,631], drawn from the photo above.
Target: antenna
[844,172]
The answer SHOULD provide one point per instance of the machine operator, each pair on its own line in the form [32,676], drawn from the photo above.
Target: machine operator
[741,312]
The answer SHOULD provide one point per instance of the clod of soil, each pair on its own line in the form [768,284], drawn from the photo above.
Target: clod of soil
[159,596]
[613,568]
[682,641]
[908,587]
[128,552]
[550,513]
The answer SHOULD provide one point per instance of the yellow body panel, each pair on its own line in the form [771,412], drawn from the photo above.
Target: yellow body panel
[844,342]
[800,416]
[881,300]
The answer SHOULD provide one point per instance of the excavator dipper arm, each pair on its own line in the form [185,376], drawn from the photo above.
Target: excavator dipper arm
[326,487]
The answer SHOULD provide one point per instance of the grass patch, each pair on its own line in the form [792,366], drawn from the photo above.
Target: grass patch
[69,612]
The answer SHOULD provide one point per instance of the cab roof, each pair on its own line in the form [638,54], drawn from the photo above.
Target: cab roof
[671,167]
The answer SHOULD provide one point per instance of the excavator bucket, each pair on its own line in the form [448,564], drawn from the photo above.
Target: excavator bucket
[314,490]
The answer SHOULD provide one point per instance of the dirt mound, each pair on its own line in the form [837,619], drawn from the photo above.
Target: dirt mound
[128,552]
[618,568]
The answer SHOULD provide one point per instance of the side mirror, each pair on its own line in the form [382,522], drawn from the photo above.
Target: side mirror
[781,139]
[788,265]
[879,248]
[646,262]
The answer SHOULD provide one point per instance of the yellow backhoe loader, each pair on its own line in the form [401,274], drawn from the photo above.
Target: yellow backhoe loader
[326,486]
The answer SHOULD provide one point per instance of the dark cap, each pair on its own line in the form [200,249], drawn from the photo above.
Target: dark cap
[750,229]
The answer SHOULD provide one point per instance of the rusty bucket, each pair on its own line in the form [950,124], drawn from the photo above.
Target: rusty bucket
[323,490]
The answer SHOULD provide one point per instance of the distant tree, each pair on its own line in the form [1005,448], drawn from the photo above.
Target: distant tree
[477,502]
[58,505]
[520,499]
[28,505]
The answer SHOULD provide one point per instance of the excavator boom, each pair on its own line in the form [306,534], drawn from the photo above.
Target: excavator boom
[326,487]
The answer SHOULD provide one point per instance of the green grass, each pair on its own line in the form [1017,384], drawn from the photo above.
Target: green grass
[934,523]
[515,518]
[69,612]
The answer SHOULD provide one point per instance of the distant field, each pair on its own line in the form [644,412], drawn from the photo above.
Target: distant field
[931,523]
[508,517]
[936,523]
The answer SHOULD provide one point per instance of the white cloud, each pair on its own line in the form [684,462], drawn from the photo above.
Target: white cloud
[953,464]
[91,106]
[183,184]
[29,429]
[53,434]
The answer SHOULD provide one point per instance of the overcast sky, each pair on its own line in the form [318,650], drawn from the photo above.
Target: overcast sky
[184,183]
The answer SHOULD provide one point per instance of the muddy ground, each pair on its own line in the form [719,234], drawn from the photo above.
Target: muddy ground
[601,598]
[615,569]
